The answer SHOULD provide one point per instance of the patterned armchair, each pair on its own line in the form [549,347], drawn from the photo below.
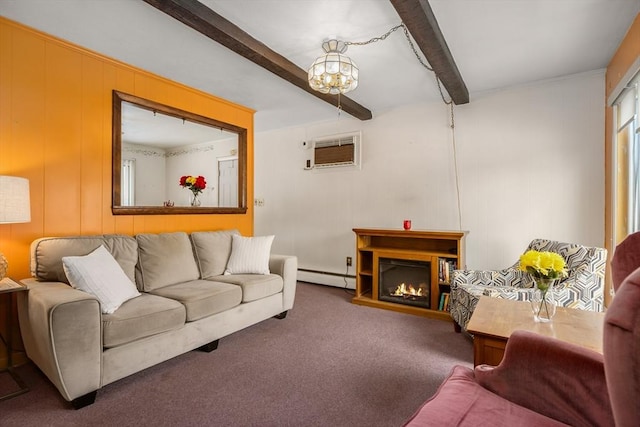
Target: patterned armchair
[583,288]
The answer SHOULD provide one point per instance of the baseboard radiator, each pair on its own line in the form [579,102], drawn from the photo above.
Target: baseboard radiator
[340,280]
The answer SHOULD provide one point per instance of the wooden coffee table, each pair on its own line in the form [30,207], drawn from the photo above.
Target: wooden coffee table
[494,319]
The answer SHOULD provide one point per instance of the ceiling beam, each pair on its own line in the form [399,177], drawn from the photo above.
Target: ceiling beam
[423,26]
[204,20]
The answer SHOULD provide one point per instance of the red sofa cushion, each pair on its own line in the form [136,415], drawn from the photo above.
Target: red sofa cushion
[461,401]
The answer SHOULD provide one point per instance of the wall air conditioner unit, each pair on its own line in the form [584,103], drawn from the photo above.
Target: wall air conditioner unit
[337,151]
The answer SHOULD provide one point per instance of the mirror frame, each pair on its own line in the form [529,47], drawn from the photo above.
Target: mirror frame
[118,209]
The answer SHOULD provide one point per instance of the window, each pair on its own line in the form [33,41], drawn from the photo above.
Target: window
[626,208]
[128,184]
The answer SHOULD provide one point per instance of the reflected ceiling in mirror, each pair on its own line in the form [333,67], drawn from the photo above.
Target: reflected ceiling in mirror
[170,161]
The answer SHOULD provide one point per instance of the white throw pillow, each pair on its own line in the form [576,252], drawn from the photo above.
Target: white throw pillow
[249,255]
[99,274]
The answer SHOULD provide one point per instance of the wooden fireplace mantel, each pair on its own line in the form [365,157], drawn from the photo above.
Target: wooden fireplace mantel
[444,250]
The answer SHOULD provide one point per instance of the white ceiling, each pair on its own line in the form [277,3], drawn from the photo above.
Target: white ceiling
[495,43]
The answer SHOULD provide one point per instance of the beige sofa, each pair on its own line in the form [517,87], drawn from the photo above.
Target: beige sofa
[185,302]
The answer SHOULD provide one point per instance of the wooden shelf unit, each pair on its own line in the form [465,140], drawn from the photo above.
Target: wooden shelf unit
[436,247]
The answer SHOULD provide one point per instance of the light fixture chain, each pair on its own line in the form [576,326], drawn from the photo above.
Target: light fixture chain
[375,39]
[449,103]
[453,121]
[413,48]
[424,64]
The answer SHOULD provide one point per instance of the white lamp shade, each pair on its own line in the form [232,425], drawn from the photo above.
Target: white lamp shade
[14,200]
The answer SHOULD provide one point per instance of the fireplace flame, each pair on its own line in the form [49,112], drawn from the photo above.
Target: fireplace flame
[403,290]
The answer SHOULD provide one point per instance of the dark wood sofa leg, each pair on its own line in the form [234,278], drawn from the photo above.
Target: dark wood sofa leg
[281,315]
[456,327]
[209,347]
[85,400]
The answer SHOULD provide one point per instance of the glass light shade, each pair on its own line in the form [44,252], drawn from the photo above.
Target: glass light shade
[333,73]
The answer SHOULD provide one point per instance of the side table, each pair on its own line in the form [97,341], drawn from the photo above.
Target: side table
[494,319]
[8,288]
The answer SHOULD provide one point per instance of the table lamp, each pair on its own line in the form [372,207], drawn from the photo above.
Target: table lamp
[14,207]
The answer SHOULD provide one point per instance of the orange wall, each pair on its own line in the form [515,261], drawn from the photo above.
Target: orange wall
[622,60]
[55,130]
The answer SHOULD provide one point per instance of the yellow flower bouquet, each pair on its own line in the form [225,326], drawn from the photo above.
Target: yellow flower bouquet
[545,267]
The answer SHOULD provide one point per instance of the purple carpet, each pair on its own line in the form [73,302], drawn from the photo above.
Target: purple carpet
[329,363]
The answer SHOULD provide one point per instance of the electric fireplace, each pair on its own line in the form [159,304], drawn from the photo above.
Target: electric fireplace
[404,270]
[405,282]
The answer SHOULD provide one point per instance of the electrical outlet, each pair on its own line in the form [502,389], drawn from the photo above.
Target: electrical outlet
[349,261]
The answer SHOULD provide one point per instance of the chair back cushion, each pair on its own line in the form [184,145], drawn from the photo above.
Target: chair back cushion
[626,259]
[575,255]
[556,378]
[621,347]
[586,268]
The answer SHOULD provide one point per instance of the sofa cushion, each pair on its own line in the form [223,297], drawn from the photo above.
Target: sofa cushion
[461,401]
[141,317]
[47,253]
[202,298]
[249,255]
[99,274]
[212,250]
[254,286]
[164,259]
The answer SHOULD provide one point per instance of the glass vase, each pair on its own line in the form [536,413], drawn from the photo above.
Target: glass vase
[195,201]
[543,302]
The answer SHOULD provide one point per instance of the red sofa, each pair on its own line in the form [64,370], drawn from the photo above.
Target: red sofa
[542,381]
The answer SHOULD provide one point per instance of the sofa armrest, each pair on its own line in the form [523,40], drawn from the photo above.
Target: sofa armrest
[287,267]
[558,379]
[61,331]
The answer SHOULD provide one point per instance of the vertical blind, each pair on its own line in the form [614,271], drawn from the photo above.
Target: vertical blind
[627,163]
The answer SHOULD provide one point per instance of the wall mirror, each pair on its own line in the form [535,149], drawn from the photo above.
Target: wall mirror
[160,151]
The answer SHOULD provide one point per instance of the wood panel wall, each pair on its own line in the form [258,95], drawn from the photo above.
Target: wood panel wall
[627,53]
[55,130]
